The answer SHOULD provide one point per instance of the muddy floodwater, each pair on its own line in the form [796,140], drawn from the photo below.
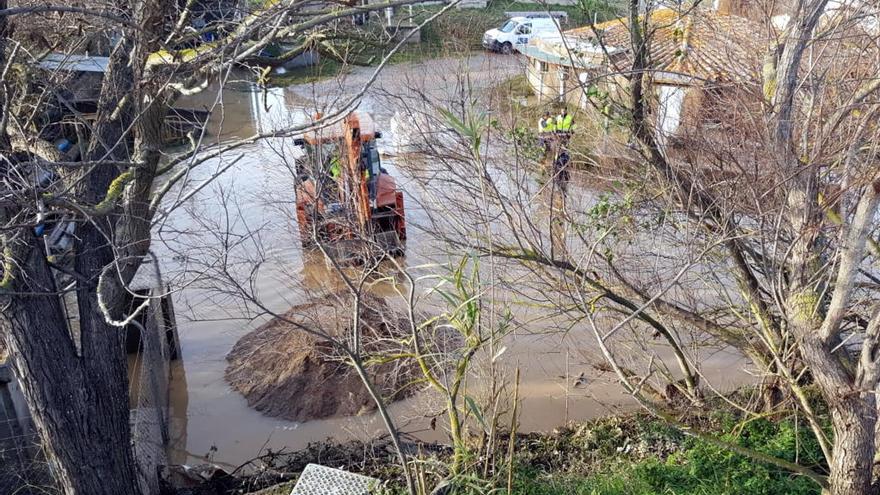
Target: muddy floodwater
[254,200]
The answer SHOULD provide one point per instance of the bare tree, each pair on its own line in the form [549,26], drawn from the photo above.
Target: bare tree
[798,261]
[750,230]
[109,188]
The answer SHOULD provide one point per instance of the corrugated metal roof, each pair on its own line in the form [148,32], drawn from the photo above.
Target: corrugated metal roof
[569,52]
[74,63]
[536,52]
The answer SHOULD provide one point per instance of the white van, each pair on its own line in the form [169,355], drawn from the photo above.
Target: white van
[517,32]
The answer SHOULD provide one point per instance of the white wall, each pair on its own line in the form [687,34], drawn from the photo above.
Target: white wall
[670,105]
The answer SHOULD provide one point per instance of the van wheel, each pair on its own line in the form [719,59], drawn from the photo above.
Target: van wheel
[506,48]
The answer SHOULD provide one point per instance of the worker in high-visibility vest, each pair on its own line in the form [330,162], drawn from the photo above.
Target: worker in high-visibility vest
[564,121]
[546,126]
[334,167]
[549,123]
[542,122]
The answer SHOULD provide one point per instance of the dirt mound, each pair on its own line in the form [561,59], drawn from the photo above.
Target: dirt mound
[283,371]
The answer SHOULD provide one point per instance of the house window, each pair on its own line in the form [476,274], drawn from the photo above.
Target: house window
[543,66]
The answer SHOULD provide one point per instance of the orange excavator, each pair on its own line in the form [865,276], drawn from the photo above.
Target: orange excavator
[345,199]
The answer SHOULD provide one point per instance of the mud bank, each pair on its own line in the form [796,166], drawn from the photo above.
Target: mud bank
[295,366]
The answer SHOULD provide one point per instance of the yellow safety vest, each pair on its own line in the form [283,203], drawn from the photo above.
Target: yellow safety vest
[549,126]
[334,168]
[564,123]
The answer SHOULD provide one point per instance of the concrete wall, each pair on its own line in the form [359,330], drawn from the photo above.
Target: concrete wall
[538,80]
[544,79]
[697,113]
[472,4]
[555,83]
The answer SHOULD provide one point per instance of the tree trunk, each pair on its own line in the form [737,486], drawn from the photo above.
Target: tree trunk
[79,403]
[853,413]
[852,461]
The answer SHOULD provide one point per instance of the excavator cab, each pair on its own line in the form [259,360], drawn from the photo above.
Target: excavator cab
[345,199]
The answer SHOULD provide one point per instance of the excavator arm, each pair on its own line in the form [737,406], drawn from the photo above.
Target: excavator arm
[353,177]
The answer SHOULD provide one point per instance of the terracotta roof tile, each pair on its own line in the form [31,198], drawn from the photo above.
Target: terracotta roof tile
[699,43]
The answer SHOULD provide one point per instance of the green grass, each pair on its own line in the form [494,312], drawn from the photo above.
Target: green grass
[617,466]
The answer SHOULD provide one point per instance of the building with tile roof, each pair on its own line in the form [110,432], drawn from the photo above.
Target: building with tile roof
[697,44]
[691,52]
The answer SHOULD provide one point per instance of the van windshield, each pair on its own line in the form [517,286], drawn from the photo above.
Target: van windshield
[508,27]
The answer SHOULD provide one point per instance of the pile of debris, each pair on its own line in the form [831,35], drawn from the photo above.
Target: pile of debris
[275,472]
[294,368]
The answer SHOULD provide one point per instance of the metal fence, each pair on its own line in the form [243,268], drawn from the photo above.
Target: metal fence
[23,467]
[150,419]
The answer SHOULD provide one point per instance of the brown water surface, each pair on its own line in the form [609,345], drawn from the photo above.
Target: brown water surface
[256,195]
